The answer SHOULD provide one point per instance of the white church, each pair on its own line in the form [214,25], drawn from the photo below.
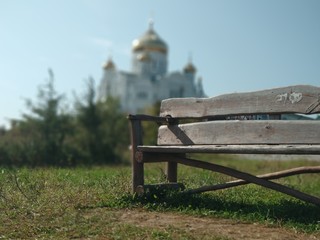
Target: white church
[149,80]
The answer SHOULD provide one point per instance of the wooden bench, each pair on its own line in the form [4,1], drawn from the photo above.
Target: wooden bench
[216,126]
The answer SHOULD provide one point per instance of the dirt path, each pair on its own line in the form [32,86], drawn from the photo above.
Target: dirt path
[206,227]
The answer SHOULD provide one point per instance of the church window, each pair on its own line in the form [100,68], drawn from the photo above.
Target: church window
[181,92]
[142,95]
[153,78]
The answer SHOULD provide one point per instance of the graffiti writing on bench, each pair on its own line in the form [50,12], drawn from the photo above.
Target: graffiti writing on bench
[292,97]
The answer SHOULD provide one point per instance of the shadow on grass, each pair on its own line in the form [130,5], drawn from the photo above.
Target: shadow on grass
[294,213]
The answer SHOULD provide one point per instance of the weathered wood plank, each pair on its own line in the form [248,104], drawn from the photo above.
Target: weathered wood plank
[312,149]
[241,132]
[303,99]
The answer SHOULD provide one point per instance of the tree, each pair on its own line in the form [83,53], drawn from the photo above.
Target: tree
[97,133]
[48,124]
[151,128]
[115,128]
[99,127]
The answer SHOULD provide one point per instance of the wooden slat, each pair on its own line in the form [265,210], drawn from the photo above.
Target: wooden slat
[294,99]
[241,132]
[235,149]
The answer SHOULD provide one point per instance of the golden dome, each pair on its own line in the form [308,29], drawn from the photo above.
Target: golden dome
[190,68]
[109,65]
[150,41]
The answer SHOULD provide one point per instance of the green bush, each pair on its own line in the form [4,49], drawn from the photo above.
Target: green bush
[50,135]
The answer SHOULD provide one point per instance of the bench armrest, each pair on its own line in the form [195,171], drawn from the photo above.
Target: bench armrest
[160,120]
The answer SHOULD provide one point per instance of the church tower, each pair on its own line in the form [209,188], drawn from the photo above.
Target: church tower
[190,70]
[149,54]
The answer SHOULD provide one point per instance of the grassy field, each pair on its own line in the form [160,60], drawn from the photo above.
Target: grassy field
[84,203]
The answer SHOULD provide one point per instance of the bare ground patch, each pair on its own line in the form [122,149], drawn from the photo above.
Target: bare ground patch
[205,227]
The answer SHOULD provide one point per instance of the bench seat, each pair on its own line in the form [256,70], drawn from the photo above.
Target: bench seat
[310,149]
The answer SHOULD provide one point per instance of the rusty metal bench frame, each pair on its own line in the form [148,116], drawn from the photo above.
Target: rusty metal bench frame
[176,140]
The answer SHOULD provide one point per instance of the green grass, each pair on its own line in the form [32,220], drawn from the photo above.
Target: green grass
[81,203]
[248,203]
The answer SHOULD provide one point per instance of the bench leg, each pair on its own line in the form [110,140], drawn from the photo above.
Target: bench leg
[137,165]
[172,171]
[137,177]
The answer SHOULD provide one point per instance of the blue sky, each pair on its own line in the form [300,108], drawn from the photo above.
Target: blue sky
[237,46]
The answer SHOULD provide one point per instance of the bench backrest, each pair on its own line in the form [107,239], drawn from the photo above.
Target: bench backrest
[293,99]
